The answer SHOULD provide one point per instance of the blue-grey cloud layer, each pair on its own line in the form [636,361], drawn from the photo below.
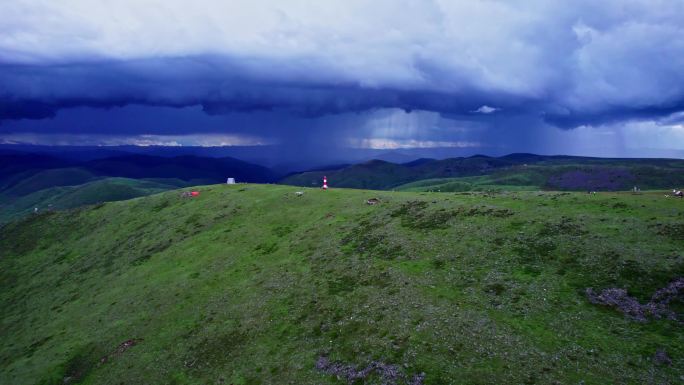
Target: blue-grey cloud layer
[556,63]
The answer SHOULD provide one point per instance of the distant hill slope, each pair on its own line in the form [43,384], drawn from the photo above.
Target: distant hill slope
[375,174]
[21,174]
[569,177]
[250,284]
[15,167]
[515,170]
[33,180]
[189,168]
[65,197]
[48,178]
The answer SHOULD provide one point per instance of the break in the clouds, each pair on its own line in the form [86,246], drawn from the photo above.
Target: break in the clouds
[489,72]
[486,110]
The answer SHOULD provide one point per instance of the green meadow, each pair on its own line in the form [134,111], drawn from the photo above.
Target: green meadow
[253,284]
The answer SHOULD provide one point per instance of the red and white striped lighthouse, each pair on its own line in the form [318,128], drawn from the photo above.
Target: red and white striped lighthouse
[325,183]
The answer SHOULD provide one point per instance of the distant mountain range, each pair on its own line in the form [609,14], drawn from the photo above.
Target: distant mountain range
[526,171]
[281,159]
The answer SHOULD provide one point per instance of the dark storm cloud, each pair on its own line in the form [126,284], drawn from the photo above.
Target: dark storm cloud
[218,85]
[497,68]
[26,109]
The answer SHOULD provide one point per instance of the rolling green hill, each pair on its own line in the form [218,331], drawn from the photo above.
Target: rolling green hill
[253,284]
[65,197]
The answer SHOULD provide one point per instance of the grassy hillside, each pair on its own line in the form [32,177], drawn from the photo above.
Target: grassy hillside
[102,190]
[250,284]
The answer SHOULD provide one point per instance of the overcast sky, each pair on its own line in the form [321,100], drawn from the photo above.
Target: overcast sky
[593,77]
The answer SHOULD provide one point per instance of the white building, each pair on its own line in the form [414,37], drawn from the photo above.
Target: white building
[230,181]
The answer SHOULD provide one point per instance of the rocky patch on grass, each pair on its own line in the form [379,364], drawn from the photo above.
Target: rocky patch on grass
[415,214]
[389,374]
[367,239]
[565,226]
[670,230]
[211,350]
[122,348]
[532,248]
[485,211]
[661,358]
[658,307]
